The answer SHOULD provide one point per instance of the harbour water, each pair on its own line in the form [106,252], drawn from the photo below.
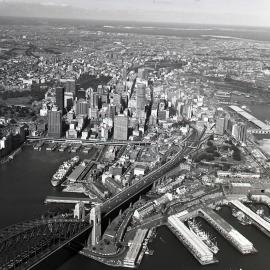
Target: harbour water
[25,182]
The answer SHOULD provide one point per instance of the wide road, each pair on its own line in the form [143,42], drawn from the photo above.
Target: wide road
[86,142]
[192,141]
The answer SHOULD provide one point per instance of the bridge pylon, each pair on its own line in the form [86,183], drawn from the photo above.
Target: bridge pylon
[79,211]
[95,220]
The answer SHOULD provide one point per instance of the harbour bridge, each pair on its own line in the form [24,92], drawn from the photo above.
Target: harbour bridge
[25,245]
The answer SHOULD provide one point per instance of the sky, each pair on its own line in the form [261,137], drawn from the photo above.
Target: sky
[231,12]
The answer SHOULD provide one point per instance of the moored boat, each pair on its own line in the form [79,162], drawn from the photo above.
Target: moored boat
[64,169]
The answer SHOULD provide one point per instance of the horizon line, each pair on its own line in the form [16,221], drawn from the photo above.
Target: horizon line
[133,21]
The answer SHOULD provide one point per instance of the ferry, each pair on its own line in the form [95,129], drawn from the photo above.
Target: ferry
[64,169]
[205,237]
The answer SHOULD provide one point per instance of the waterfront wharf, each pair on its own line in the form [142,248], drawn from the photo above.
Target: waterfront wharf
[258,221]
[240,242]
[191,241]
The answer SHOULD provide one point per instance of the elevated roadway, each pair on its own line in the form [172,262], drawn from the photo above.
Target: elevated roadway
[86,142]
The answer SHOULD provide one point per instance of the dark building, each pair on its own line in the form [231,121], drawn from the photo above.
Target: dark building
[141,97]
[81,94]
[60,91]
[55,124]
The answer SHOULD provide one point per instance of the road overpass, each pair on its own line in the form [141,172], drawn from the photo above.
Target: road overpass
[86,142]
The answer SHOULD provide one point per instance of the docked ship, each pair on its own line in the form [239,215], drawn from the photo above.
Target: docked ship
[64,169]
[241,217]
[205,237]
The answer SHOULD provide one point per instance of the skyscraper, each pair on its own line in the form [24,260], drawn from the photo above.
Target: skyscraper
[54,123]
[70,85]
[60,98]
[220,126]
[82,107]
[141,99]
[120,127]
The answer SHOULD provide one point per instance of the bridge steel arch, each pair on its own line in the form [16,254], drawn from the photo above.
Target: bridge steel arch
[24,245]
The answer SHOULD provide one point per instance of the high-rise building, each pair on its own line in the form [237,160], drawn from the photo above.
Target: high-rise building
[70,85]
[111,111]
[142,73]
[239,132]
[95,220]
[187,111]
[94,99]
[68,100]
[82,107]
[220,126]
[141,98]
[81,93]
[60,91]
[54,123]
[120,127]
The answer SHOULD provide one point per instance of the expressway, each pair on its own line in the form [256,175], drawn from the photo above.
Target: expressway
[193,140]
[85,142]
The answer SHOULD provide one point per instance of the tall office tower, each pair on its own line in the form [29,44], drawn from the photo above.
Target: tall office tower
[220,126]
[242,132]
[70,85]
[116,99]
[77,88]
[100,90]
[95,220]
[120,127]
[124,74]
[54,123]
[82,107]
[94,100]
[81,93]
[235,130]
[111,111]
[187,111]
[60,92]
[141,99]
[141,73]
[229,127]
[68,100]
[93,113]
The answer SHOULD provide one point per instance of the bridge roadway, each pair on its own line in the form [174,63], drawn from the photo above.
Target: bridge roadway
[86,142]
[110,205]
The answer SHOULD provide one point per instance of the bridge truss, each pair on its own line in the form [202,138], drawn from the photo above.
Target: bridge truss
[24,245]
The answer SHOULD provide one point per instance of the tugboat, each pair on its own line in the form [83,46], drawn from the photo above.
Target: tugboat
[64,169]
[205,237]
